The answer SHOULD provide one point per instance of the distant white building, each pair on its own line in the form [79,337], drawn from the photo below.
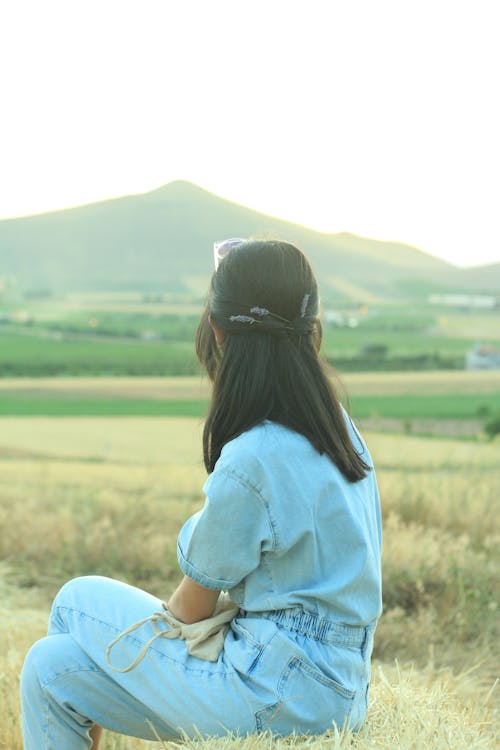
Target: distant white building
[333,318]
[483,357]
[150,336]
[472,301]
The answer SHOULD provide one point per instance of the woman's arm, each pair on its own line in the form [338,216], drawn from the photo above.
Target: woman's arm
[191,602]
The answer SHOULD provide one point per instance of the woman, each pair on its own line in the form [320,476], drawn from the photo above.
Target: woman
[290,529]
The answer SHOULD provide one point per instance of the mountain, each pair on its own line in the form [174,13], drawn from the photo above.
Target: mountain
[479,278]
[162,240]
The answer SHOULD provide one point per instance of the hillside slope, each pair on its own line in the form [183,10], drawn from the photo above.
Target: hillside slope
[162,240]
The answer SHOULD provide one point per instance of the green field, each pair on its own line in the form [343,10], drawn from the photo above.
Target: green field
[427,397]
[44,405]
[449,406]
[27,352]
[30,352]
[112,334]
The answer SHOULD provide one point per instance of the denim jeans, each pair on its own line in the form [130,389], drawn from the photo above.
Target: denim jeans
[283,672]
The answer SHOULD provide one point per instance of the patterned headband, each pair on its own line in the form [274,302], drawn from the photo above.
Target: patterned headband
[264,320]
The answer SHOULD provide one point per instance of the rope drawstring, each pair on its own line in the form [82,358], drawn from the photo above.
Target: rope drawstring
[204,639]
[174,632]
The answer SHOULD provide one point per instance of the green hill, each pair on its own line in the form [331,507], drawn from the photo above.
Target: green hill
[482,277]
[162,241]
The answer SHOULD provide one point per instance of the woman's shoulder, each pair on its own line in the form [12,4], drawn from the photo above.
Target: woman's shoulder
[265,440]
[270,440]
[271,449]
[253,460]
[262,451]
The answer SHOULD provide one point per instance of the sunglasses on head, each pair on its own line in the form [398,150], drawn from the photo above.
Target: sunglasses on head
[223,248]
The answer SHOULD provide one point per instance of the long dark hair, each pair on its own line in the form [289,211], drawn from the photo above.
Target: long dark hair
[264,299]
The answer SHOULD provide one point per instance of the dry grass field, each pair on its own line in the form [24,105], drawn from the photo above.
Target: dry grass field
[108,495]
[357,383]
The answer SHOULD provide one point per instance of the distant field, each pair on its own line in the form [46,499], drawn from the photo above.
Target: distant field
[30,352]
[140,334]
[77,350]
[434,382]
[438,395]
[436,407]
[36,403]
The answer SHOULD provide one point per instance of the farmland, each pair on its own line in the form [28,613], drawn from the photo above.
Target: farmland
[439,402]
[139,334]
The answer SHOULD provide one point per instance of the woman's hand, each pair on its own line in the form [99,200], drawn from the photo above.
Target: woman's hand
[191,602]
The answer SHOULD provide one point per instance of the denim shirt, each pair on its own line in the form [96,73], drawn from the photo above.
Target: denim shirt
[283,529]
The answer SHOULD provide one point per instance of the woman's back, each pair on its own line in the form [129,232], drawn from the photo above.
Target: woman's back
[289,530]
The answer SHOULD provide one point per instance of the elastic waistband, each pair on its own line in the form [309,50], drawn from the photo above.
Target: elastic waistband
[314,626]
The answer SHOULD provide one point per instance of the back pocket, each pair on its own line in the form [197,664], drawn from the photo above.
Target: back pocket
[242,649]
[308,702]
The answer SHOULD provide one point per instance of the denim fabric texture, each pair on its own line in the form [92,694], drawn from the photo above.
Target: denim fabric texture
[298,549]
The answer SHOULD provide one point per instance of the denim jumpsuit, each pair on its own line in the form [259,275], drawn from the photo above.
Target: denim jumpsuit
[298,549]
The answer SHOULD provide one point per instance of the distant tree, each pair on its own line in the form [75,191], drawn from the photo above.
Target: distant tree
[483,410]
[492,426]
[374,350]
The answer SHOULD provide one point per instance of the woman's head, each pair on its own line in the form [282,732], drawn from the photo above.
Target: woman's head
[263,302]
[261,288]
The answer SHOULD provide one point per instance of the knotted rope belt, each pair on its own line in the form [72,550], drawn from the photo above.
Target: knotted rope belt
[204,639]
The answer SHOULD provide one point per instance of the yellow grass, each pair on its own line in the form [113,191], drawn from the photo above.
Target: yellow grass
[358,384]
[433,382]
[140,387]
[410,709]
[71,489]
[470,326]
[176,441]
[140,440]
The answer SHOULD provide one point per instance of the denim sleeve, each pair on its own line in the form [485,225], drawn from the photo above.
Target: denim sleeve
[221,544]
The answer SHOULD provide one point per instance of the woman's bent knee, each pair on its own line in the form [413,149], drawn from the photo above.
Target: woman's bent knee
[77,595]
[49,658]
[73,589]
[30,674]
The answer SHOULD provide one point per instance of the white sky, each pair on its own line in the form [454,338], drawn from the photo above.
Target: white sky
[378,117]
